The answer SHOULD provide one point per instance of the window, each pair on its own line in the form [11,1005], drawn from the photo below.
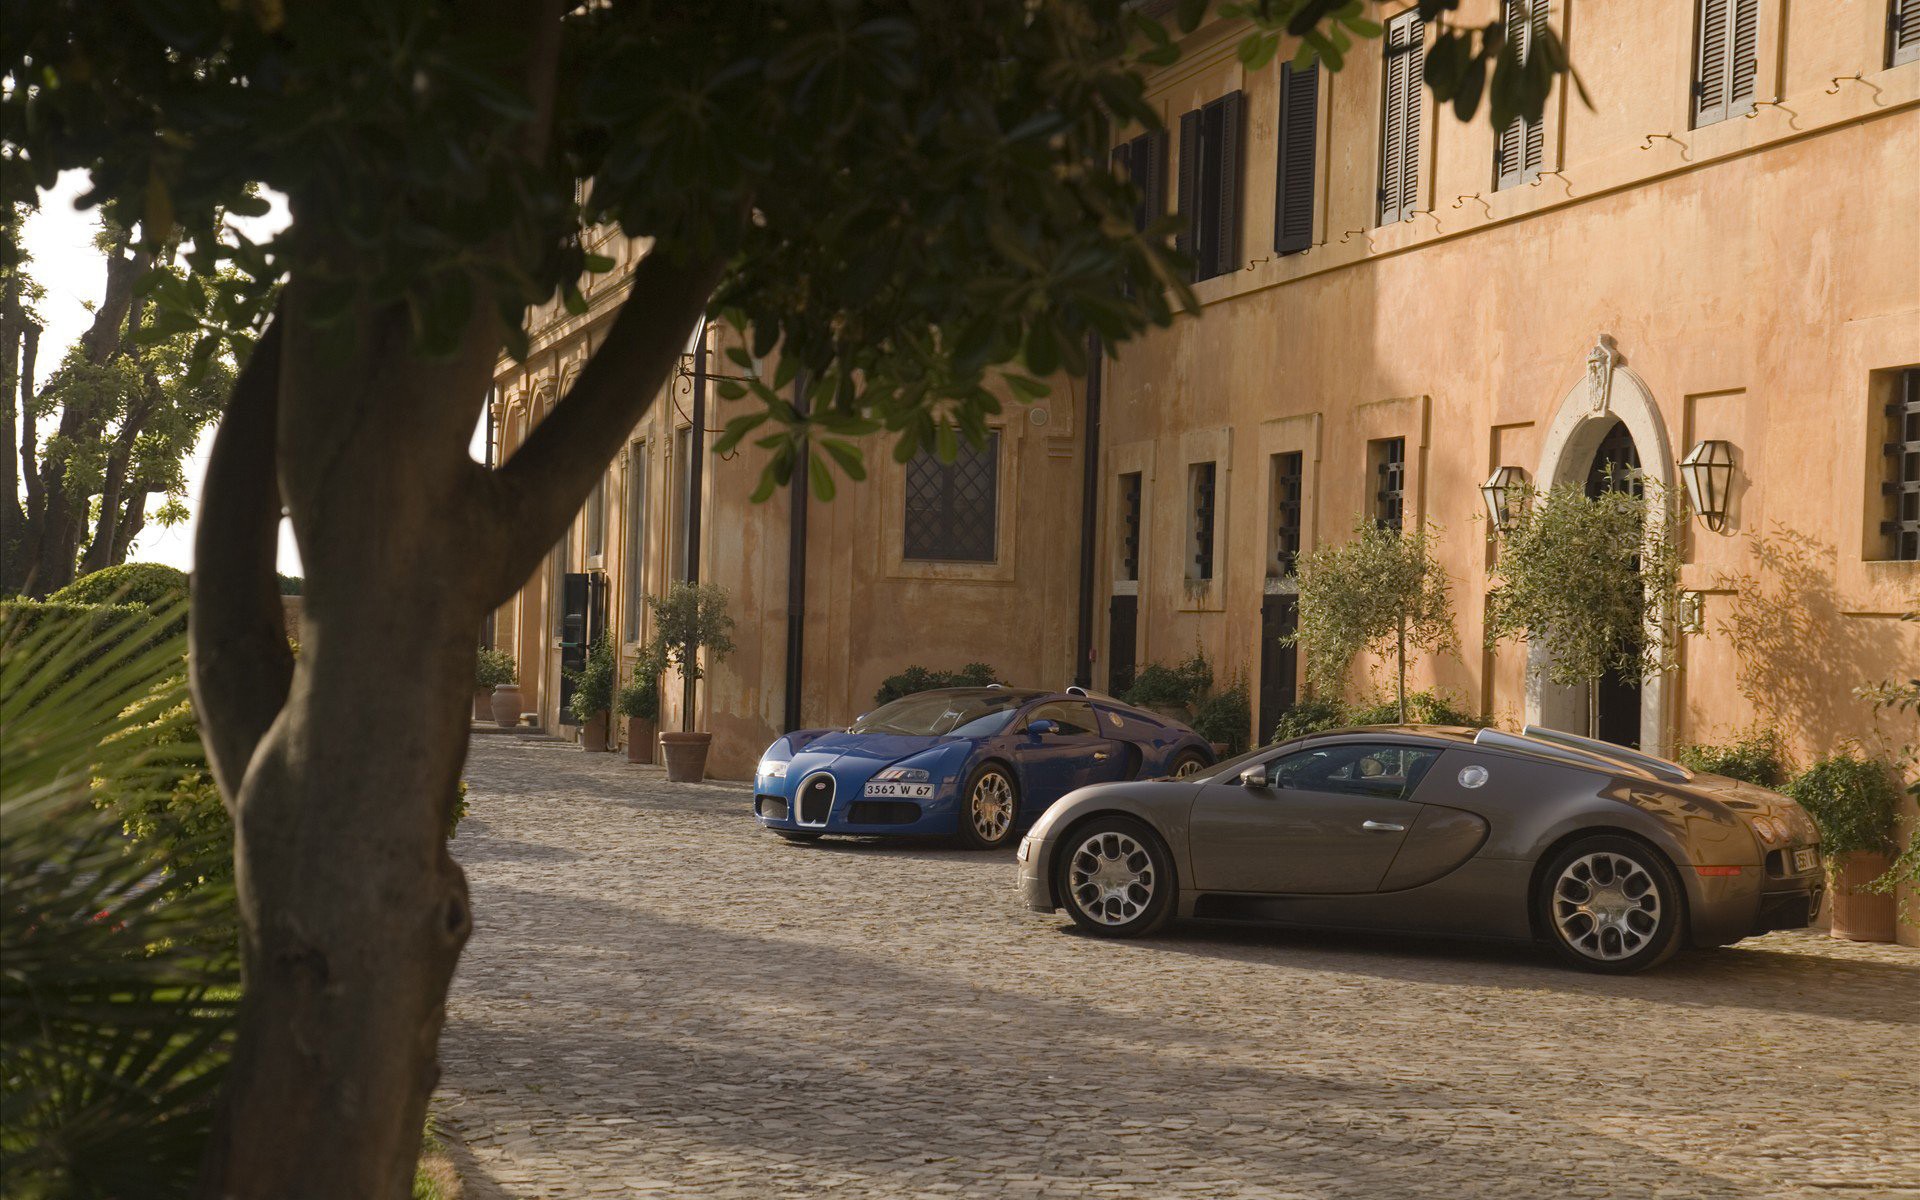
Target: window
[1388,460]
[1075,717]
[1903,32]
[679,556]
[1400,115]
[596,521]
[1129,530]
[1200,496]
[1903,468]
[1143,161]
[1210,184]
[634,610]
[1293,190]
[556,583]
[1283,531]
[953,509]
[1377,771]
[1518,153]
[1725,62]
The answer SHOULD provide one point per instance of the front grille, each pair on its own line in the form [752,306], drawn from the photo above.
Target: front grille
[815,801]
[773,808]
[882,812]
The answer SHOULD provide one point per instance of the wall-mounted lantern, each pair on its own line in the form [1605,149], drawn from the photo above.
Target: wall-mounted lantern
[1708,471]
[1503,491]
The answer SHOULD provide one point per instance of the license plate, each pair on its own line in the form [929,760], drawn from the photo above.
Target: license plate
[1805,859]
[900,791]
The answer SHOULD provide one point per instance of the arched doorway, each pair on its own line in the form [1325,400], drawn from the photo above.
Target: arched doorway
[1616,468]
[1606,428]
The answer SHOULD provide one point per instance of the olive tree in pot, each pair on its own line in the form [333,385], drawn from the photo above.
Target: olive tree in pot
[690,618]
[1854,801]
[639,703]
[493,670]
[593,696]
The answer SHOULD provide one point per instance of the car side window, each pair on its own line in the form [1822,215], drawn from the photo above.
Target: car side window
[1355,769]
[1074,717]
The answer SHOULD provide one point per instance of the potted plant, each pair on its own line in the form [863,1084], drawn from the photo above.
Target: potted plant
[688,619]
[491,669]
[505,701]
[639,703]
[1854,801]
[593,696]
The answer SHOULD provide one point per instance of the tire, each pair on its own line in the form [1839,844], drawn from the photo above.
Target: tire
[1115,878]
[989,808]
[798,836]
[1186,763]
[1641,906]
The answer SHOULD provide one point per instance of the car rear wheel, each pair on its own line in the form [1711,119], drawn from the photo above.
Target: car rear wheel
[989,808]
[1186,763]
[1115,878]
[1611,904]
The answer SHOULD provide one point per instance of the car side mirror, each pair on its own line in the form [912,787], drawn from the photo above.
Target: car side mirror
[1255,777]
[1043,727]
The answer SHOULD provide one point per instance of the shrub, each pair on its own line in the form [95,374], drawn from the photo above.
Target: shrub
[1759,756]
[641,696]
[1853,799]
[291,585]
[145,584]
[493,668]
[920,679]
[1225,717]
[593,683]
[1308,716]
[1184,685]
[1423,708]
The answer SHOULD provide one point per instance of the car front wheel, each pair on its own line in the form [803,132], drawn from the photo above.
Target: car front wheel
[1611,904]
[1115,878]
[989,806]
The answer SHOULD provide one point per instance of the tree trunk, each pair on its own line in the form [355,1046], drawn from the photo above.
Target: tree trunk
[132,520]
[13,518]
[1593,708]
[1403,671]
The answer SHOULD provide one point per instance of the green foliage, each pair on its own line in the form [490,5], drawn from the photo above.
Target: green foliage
[291,585]
[1182,686]
[1381,591]
[98,630]
[593,683]
[493,668]
[118,998]
[1318,714]
[641,695]
[1309,715]
[1853,799]
[1225,717]
[457,812]
[688,619]
[920,679]
[1755,756]
[1588,578]
[148,584]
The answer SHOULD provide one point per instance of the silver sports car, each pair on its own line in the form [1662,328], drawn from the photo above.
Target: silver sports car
[1614,857]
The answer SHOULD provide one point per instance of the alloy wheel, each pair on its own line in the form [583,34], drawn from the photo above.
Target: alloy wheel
[1606,906]
[990,807]
[1188,765]
[1111,878]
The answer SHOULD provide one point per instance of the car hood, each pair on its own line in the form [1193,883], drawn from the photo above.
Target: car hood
[1749,800]
[860,751]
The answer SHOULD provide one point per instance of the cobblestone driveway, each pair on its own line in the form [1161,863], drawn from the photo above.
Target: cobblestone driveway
[659,1000]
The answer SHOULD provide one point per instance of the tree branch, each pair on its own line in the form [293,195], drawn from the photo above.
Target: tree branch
[538,491]
[241,665]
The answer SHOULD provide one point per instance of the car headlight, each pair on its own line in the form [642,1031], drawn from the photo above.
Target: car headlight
[772,769]
[1771,829]
[901,775]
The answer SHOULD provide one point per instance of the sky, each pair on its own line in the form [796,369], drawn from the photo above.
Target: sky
[60,240]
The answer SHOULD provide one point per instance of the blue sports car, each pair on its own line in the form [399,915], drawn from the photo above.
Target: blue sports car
[979,763]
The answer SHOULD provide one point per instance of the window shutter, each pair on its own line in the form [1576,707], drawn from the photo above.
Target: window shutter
[1743,69]
[1728,62]
[1400,125]
[1123,162]
[1903,32]
[1521,150]
[1189,240]
[1294,190]
[1150,167]
[1226,245]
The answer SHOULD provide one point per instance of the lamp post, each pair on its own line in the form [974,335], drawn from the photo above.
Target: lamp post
[1708,472]
[1502,492]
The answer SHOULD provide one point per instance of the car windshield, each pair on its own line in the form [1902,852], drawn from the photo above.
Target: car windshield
[942,714]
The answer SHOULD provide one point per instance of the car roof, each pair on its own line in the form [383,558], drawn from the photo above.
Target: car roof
[1560,749]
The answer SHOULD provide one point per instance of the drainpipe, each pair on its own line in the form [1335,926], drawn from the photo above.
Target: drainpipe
[696,468]
[1089,515]
[796,572]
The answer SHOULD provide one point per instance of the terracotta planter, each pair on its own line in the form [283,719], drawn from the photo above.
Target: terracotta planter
[685,755]
[506,705]
[482,704]
[1860,915]
[593,734]
[639,740]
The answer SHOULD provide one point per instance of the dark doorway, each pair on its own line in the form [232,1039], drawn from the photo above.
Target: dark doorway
[583,620]
[1123,620]
[1616,467]
[1279,663]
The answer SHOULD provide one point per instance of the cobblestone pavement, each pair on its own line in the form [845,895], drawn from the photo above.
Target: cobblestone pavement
[660,1000]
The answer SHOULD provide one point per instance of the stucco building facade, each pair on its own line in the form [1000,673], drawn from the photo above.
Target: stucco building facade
[1722,246]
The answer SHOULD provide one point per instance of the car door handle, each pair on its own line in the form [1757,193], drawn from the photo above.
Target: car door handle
[1099,756]
[1383,827]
